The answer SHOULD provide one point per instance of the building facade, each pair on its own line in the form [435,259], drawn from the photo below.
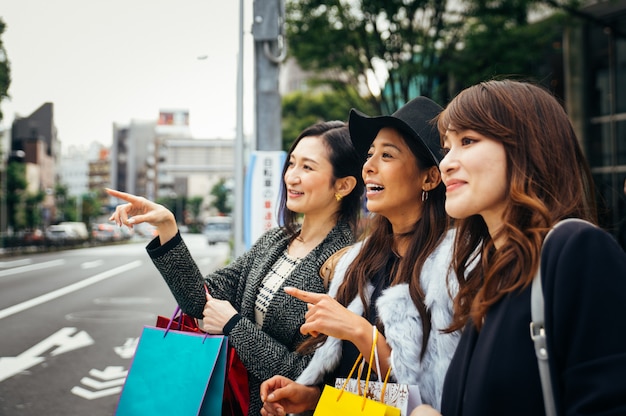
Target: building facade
[595,56]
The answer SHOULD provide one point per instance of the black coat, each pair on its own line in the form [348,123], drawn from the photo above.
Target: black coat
[495,371]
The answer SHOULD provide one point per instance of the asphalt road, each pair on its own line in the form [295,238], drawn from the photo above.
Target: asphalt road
[70,321]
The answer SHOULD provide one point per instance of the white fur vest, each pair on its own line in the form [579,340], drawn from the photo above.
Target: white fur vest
[403,326]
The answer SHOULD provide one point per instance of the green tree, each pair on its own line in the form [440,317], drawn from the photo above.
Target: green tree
[5,69]
[221,192]
[384,45]
[90,207]
[428,47]
[66,206]
[195,204]
[32,210]
[498,40]
[302,109]
[16,188]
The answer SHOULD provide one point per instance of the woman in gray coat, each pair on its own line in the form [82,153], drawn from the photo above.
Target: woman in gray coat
[322,185]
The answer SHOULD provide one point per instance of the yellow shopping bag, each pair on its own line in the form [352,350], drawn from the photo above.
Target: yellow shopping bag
[335,402]
[341,402]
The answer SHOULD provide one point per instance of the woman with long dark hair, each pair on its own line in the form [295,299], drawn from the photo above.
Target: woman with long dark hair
[322,185]
[396,279]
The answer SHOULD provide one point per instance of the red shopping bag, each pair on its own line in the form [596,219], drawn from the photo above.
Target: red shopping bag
[236,394]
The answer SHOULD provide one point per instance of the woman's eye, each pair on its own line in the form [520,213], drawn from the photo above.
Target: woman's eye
[465,141]
[368,155]
[444,151]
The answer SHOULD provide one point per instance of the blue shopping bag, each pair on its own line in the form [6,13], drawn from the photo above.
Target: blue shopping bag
[175,373]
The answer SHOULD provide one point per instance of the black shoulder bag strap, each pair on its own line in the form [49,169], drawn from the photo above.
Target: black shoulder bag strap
[538,331]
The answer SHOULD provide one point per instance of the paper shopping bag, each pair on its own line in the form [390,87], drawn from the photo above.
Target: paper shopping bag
[179,321]
[334,402]
[403,396]
[342,402]
[236,400]
[175,373]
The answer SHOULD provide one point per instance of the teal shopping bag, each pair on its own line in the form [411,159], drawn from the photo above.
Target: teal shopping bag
[175,373]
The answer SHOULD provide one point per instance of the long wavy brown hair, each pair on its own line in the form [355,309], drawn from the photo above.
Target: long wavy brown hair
[549,180]
[425,236]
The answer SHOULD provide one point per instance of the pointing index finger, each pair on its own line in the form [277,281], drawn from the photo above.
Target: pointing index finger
[308,297]
[122,195]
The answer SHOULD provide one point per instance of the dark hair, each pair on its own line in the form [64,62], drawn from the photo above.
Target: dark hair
[425,236]
[345,162]
[549,180]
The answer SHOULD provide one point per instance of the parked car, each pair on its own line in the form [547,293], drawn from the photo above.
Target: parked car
[77,229]
[218,230]
[67,232]
[106,232]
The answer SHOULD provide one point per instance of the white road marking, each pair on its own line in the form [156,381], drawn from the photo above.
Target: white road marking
[31,267]
[91,264]
[113,376]
[14,263]
[62,339]
[11,310]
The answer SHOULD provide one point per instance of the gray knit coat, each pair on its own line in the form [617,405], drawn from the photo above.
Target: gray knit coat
[270,349]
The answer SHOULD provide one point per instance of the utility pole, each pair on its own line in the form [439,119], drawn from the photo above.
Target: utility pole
[269,52]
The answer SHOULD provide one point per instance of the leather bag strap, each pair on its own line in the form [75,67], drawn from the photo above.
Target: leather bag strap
[538,330]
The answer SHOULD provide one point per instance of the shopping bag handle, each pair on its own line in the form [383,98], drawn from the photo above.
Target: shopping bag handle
[178,312]
[174,315]
[369,372]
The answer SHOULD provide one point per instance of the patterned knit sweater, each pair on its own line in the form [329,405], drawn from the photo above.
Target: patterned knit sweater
[264,351]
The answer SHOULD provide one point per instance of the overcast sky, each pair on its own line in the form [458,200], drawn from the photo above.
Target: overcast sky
[110,61]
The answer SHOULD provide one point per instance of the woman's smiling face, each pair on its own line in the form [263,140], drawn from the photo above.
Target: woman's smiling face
[474,172]
[393,179]
[309,179]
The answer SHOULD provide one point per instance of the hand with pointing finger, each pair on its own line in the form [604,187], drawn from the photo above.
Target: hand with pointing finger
[139,209]
[329,317]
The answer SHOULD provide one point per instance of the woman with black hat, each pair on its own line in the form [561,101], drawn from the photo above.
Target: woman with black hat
[397,279]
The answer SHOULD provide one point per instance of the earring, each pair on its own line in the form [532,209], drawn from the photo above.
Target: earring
[424,196]
[338,196]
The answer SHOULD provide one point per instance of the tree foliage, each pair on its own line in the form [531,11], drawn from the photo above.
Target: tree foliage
[5,72]
[302,109]
[16,189]
[382,44]
[424,47]
[498,40]
[221,194]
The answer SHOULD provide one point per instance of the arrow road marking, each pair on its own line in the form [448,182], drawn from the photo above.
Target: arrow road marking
[62,339]
[11,310]
[91,395]
[115,377]
[109,373]
[99,385]
[128,349]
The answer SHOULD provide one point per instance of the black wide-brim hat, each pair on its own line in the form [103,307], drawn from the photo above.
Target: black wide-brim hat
[415,120]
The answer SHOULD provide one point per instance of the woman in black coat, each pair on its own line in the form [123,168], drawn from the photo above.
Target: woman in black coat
[513,169]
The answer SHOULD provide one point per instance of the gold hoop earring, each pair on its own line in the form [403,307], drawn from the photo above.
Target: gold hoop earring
[338,196]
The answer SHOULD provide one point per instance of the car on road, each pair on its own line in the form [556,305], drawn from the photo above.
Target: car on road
[67,232]
[106,232]
[218,230]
